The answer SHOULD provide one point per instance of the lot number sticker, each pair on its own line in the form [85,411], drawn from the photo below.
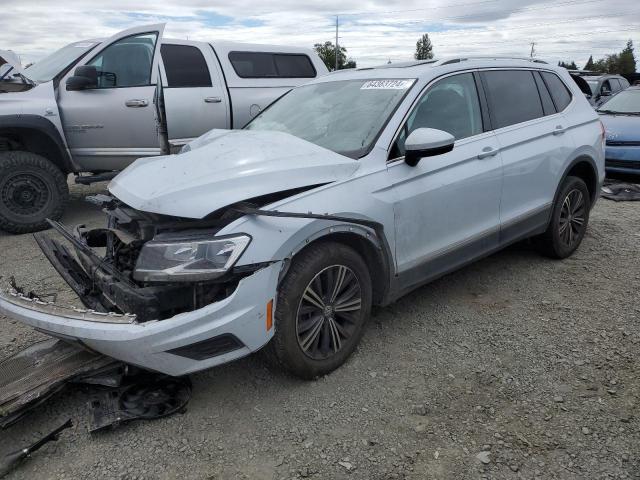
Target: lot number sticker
[387,85]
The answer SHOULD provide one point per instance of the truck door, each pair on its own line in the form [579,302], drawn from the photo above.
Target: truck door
[195,95]
[109,126]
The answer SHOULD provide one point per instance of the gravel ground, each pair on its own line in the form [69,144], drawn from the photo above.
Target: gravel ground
[514,367]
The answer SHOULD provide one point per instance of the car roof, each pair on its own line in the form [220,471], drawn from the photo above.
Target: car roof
[426,68]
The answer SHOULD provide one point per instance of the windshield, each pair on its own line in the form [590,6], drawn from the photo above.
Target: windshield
[627,101]
[50,66]
[344,116]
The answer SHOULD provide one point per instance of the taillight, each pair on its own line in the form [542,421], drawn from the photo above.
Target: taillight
[603,134]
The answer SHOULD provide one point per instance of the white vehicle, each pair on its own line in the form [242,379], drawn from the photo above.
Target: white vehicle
[94,106]
[347,192]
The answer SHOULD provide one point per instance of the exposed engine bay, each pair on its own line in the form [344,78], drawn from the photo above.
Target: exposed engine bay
[107,284]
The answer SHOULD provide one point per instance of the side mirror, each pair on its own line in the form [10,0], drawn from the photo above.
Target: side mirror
[83,78]
[426,142]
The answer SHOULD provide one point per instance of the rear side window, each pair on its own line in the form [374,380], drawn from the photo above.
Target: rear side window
[271,65]
[513,97]
[185,66]
[547,103]
[559,91]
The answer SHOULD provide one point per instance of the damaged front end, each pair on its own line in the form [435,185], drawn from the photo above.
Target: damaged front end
[154,266]
[162,293]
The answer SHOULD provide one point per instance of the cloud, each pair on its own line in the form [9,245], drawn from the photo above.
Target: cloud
[372,30]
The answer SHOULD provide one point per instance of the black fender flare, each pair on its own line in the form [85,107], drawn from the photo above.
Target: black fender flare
[45,127]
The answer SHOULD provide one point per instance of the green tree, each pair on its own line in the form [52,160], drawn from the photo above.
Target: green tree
[424,48]
[327,52]
[568,65]
[589,64]
[627,59]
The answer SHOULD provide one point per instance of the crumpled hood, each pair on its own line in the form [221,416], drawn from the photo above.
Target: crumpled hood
[621,128]
[225,167]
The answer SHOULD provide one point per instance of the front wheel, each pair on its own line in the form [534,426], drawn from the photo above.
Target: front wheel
[569,220]
[32,189]
[323,305]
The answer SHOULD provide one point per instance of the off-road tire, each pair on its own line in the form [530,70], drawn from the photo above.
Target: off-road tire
[551,242]
[40,183]
[285,348]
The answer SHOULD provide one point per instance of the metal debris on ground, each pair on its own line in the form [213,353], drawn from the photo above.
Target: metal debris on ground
[11,461]
[621,192]
[149,399]
[34,374]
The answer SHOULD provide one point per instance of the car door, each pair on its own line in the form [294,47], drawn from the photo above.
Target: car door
[534,144]
[447,206]
[109,126]
[195,96]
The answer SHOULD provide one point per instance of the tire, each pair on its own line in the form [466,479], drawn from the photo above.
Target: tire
[32,189]
[569,220]
[296,318]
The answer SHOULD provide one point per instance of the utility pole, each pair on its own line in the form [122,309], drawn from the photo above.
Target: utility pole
[337,49]
[533,49]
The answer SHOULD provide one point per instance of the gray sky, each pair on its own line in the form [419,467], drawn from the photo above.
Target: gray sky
[373,31]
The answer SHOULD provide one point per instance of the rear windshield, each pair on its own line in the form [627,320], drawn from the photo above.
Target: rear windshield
[344,116]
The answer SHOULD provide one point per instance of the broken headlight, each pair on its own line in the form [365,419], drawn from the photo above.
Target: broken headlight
[188,259]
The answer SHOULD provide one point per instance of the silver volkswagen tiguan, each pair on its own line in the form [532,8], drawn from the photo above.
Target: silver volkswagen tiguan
[347,192]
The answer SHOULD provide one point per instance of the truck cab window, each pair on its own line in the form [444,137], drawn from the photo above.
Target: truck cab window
[271,65]
[127,62]
[185,66]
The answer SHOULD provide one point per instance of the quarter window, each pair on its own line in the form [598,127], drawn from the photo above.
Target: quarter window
[547,103]
[127,62]
[271,65]
[513,97]
[451,105]
[559,92]
[185,66]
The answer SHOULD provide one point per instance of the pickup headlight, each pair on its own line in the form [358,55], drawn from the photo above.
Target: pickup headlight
[188,259]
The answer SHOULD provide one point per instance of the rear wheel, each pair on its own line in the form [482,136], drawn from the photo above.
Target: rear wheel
[32,189]
[569,219]
[324,303]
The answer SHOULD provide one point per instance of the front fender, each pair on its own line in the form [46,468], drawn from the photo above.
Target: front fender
[280,238]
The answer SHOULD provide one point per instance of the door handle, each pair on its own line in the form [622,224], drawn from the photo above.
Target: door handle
[136,103]
[559,130]
[213,100]
[488,152]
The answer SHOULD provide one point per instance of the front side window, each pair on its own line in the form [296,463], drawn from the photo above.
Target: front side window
[345,116]
[127,62]
[185,66]
[513,97]
[451,105]
[271,65]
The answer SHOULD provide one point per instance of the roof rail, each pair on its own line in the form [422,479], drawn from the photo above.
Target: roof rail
[488,57]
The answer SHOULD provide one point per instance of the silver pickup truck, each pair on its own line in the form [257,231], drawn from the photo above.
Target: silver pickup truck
[95,106]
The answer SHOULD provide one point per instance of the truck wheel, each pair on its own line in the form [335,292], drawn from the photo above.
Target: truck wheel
[569,220]
[323,305]
[32,189]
